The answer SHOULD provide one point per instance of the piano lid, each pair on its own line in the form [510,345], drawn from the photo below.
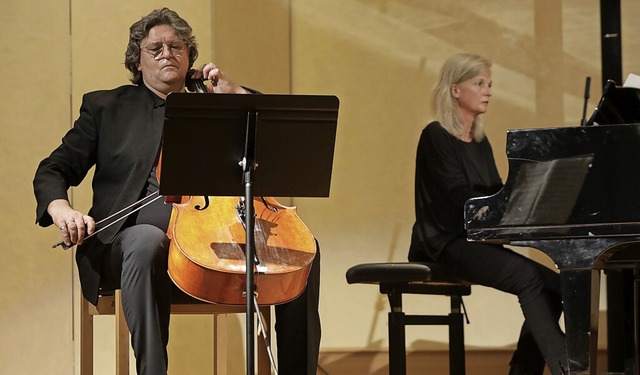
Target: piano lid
[572,182]
[618,105]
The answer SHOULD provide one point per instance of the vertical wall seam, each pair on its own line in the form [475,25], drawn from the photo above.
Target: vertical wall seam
[290,47]
[72,257]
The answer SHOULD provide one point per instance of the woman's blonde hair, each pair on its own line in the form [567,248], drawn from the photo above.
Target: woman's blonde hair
[457,69]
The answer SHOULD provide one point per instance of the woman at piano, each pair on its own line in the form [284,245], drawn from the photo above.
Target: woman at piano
[455,162]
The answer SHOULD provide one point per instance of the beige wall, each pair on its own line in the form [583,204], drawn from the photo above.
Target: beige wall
[379,57]
[36,295]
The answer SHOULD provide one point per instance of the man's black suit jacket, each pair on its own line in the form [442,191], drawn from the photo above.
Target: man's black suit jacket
[119,132]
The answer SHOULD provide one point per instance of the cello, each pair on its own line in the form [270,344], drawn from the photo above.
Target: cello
[208,247]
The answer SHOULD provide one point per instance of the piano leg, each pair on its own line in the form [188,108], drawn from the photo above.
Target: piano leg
[581,295]
[622,298]
[636,322]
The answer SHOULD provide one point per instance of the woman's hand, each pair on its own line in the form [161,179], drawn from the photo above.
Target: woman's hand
[74,225]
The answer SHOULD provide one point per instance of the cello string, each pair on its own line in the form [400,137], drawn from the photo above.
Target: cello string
[263,332]
[66,247]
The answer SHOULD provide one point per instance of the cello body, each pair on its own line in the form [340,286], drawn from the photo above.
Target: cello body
[207,250]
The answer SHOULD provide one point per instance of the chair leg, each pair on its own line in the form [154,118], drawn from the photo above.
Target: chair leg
[220,344]
[86,338]
[122,338]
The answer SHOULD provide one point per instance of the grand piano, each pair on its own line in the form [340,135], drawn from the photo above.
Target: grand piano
[574,194]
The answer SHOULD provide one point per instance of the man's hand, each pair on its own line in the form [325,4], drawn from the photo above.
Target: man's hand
[74,225]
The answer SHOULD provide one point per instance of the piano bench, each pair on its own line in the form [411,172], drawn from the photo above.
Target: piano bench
[396,279]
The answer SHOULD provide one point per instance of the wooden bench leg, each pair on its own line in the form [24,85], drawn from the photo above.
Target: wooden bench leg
[86,338]
[122,338]
[113,306]
[220,344]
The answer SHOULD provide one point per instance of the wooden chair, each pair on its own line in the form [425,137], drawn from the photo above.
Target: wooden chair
[396,279]
[109,304]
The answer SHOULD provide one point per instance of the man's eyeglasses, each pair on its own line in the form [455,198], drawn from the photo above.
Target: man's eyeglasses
[156,50]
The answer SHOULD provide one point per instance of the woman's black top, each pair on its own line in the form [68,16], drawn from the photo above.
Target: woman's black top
[448,173]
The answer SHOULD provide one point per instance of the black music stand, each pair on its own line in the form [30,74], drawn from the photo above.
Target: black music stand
[248,145]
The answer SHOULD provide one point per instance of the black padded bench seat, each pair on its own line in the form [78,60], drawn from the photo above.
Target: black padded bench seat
[398,278]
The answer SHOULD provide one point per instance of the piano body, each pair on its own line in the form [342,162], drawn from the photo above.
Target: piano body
[574,194]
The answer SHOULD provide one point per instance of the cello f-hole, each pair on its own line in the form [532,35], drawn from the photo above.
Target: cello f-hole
[206,204]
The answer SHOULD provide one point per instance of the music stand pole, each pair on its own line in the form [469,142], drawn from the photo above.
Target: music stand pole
[250,289]
[248,165]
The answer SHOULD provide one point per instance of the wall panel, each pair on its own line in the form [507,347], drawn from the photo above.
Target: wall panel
[35,292]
